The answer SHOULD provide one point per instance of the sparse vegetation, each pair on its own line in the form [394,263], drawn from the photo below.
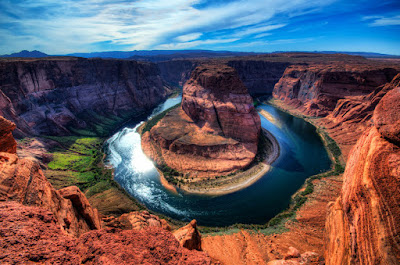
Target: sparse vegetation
[153,121]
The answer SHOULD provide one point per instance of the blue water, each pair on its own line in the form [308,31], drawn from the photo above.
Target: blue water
[302,155]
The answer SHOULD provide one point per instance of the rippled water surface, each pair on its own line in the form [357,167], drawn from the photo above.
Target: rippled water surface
[302,155]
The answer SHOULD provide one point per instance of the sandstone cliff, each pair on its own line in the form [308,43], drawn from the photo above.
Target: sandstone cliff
[317,88]
[259,76]
[363,225]
[216,130]
[49,96]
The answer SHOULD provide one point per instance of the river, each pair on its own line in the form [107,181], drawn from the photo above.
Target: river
[302,155]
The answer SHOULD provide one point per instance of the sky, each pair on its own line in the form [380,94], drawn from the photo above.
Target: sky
[68,26]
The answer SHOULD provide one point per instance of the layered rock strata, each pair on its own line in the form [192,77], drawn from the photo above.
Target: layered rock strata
[50,96]
[214,132]
[363,224]
[316,89]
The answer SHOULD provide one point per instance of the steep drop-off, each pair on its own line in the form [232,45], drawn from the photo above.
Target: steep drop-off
[51,96]
[363,225]
[259,76]
[39,224]
[214,132]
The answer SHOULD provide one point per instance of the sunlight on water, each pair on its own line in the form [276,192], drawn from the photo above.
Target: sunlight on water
[140,163]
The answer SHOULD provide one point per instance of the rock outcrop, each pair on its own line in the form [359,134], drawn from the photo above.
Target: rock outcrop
[316,89]
[7,141]
[189,236]
[49,96]
[137,220]
[363,225]
[216,130]
[22,180]
[32,235]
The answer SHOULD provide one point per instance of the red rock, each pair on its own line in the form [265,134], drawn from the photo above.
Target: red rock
[292,253]
[138,221]
[23,181]
[82,206]
[189,236]
[214,133]
[316,89]
[7,142]
[363,225]
[31,235]
[387,116]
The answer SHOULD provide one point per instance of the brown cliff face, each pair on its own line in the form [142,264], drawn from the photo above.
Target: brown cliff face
[7,141]
[259,76]
[50,96]
[363,226]
[316,89]
[216,130]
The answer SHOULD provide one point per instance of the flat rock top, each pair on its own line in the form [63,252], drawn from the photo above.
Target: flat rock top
[218,78]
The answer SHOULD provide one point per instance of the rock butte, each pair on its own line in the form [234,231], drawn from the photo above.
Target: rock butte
[215,130]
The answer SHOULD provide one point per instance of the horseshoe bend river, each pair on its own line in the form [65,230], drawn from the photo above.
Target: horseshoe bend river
[302,154]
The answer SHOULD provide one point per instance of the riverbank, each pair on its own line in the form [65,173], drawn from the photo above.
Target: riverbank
[228,184]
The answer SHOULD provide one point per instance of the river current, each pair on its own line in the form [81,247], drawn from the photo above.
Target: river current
[302,154]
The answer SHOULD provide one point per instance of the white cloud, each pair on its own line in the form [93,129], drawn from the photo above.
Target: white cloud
[379,21]
[188,37]
[67,26]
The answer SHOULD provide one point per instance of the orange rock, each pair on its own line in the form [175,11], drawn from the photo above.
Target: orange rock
[216,130]
[7,142]
[363,225]
[189,236]
[30,234]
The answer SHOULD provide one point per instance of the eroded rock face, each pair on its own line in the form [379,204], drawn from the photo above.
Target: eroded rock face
[7,141]
[216,130]
[189,236]
[31,234]
[23,181]
[51,96]
[363,225]
[316,89]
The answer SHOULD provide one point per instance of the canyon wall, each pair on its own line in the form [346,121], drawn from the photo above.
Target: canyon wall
[177,72]
[259,76]
[48,96]
[316,89]
[363,225]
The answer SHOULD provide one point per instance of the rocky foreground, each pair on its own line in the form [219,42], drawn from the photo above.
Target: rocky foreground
[215,130]
[39,224]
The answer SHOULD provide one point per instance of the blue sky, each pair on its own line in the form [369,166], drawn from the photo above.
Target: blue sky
[66,26]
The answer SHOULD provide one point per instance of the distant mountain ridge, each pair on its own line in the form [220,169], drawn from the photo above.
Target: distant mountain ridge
[27,54]
[165,55]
